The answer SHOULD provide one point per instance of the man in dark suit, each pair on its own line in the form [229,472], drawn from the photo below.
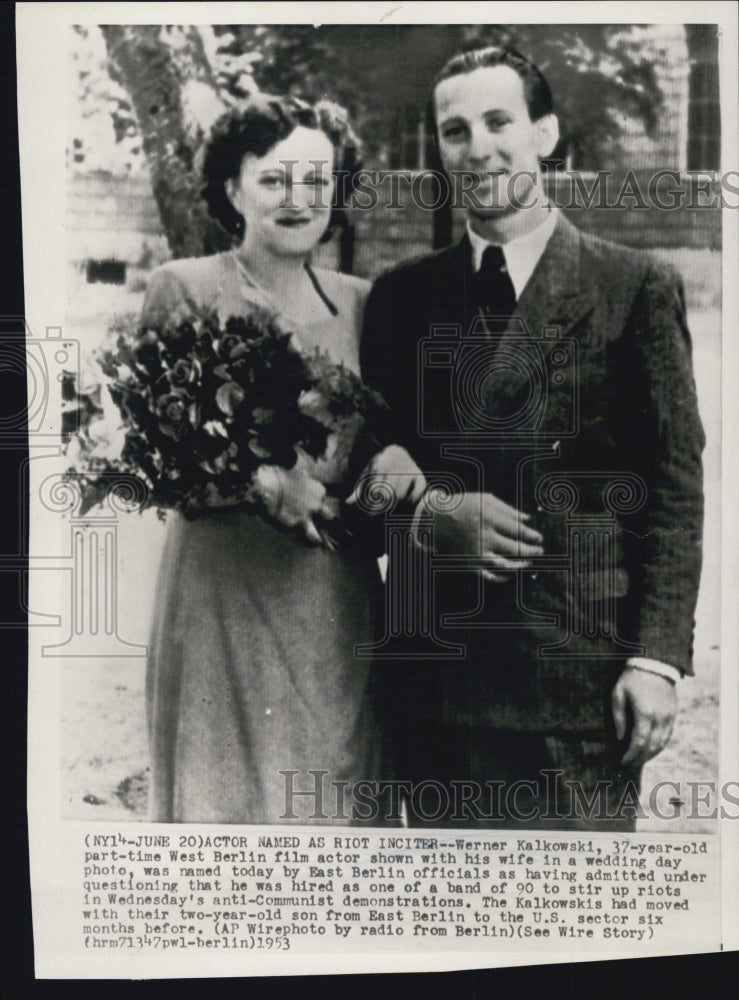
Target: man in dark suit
[544,376]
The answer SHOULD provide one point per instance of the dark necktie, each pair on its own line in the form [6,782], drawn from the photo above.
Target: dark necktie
[494,293]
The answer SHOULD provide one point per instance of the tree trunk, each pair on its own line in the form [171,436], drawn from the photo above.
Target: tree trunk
[158,65]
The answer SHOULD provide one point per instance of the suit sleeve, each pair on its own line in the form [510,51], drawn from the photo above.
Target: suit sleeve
[667,543]
[381,362]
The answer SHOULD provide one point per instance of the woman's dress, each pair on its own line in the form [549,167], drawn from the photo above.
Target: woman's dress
[254,692]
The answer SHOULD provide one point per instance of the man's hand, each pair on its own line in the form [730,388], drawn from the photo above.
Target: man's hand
[483,525]
[394,469]
[653,703]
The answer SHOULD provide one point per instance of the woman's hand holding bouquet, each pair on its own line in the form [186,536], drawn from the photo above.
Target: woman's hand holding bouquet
[295,499]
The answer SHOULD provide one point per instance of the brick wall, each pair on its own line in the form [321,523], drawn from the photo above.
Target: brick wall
[113,218]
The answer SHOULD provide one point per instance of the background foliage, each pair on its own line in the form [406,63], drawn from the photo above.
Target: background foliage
[143,97]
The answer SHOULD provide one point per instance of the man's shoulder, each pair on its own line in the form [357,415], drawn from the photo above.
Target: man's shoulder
[419,269]
[615,262]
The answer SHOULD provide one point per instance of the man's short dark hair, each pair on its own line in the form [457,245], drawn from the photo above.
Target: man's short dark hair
[535,87]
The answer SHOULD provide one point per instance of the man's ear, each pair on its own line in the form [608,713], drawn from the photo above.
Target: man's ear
[547,129]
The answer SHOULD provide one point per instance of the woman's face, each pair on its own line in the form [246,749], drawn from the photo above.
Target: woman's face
[285,196]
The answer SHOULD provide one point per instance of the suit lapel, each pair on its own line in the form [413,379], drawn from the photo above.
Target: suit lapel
[450,294]
[552,302]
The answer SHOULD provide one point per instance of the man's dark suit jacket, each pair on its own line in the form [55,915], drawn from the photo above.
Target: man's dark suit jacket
[585,417]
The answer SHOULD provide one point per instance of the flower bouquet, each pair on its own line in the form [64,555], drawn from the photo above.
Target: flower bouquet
[200,406]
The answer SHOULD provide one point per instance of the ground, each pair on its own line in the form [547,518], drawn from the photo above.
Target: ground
[103,733]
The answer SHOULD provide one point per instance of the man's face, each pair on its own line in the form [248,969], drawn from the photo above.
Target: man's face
[486,133]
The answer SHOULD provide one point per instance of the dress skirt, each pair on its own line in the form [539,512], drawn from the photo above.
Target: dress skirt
[252,679]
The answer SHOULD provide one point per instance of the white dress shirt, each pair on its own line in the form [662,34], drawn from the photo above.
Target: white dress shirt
[521,257]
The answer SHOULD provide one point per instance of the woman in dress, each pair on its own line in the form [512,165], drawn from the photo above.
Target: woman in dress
[252,679]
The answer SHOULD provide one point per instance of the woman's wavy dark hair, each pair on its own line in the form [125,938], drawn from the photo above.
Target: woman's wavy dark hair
[256,129]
